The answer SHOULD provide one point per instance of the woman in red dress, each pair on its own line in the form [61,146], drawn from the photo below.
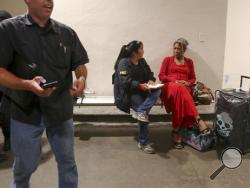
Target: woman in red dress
[177,72]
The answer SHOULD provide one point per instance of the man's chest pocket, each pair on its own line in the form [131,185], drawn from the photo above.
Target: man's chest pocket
[63,55]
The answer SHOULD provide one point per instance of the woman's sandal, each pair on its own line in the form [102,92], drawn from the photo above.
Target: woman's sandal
[205,131]
[177,145]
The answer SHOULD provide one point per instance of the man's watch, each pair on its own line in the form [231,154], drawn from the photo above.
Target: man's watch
[82,78]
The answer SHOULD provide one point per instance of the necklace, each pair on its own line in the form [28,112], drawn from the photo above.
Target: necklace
[179,62]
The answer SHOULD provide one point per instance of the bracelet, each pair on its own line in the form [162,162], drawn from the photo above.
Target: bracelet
[82,78]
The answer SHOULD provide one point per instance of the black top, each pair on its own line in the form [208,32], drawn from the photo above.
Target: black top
[130,75]
[126,80]
[136,74]
[54,52]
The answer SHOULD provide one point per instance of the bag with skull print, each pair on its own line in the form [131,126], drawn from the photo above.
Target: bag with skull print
[232,119]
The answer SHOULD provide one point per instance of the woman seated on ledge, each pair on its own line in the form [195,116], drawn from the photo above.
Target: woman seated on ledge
[177,73]
[135,75]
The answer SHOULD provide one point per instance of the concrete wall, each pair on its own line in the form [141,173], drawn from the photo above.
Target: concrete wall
[105,25]
[237,50]
[15,7]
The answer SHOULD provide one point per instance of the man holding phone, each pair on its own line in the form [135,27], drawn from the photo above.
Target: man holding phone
[47,85]
[51,51]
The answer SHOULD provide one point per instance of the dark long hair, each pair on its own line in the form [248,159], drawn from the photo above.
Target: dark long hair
[4,15]
[128,50]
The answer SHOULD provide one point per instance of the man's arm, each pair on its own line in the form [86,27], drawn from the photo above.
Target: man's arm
[81,71]
[9,80]
[79,84]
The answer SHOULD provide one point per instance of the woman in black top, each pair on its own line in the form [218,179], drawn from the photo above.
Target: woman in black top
[133,77]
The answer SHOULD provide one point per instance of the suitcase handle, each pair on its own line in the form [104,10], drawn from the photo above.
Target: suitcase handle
[241,79]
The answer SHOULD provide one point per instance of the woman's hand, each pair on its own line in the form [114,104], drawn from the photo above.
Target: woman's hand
[144,87]
[151,82]
[184,82]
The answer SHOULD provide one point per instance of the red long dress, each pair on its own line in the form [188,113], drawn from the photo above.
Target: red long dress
[175,96]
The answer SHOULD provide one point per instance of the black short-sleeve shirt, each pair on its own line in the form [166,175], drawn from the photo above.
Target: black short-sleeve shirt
[56,51]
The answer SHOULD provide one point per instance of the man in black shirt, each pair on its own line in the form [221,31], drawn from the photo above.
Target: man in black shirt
[35,49]
[5,102]
[5,107]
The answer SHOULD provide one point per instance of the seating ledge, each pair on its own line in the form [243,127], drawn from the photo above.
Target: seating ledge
[92,100]
[99,105]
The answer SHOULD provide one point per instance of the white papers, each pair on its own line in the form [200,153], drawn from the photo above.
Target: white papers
[156,86]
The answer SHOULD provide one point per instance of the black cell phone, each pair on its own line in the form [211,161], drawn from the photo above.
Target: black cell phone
[48,84]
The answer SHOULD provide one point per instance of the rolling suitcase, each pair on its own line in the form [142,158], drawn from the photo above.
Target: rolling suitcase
[232,118]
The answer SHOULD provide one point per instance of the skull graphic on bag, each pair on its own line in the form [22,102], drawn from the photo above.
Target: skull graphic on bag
[224,124]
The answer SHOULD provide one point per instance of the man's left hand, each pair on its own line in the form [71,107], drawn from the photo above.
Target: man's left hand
[77,88]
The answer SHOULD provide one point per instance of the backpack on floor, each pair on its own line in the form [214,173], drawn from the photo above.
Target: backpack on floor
[192,137]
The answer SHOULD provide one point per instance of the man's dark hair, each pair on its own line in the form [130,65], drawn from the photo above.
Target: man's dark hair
[4,15]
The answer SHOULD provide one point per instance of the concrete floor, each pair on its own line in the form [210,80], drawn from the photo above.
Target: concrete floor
[108,157]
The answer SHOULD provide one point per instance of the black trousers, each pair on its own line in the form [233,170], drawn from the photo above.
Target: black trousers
[6,130]
[5,117]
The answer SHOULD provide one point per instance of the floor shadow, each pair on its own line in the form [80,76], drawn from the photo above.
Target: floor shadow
[246,156]
[6,164]
[85,134]
[45,156]
[160,136]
